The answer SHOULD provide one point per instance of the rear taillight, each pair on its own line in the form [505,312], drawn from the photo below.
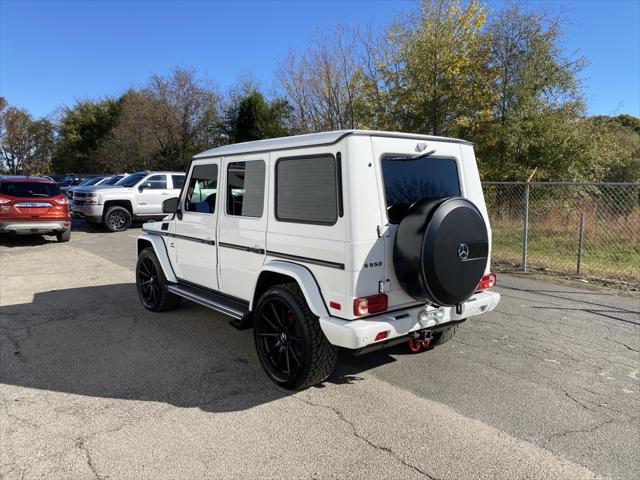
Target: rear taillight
[488,281]
[61,200]
[370,305]
[4,200]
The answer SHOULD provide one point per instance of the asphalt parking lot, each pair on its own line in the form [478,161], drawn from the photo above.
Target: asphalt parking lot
[93,386]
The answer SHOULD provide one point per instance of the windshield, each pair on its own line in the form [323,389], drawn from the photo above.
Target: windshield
[112,180]
[29,189]
[131,180]
[408,180]
[91,181]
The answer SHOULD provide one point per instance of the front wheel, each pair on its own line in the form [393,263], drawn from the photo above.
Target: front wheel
[117,219]
[290,343]
[152,284]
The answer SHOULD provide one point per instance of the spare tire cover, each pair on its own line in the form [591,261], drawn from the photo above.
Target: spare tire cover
[440,250]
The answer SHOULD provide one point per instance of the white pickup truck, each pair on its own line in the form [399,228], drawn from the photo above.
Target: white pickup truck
[138,196]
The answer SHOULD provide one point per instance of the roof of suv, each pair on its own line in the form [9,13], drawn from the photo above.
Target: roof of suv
[24,178]
[313,140]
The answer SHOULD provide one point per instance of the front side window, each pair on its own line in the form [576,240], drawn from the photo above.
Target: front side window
[408,180]
[307,190]
[203,189]
[156,182]
[29,189]
[245,188]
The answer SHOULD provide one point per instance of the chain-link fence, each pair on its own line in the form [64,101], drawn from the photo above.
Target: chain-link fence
[585,229]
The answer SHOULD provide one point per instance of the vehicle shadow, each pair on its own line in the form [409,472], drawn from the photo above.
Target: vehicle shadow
[99,341]
[12,241]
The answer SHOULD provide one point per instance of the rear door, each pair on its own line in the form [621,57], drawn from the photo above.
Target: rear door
[154,190]
[405,180]
[243,224]
[194,234]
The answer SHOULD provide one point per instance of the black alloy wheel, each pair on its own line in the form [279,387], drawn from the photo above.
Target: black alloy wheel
[291,345]
[147,280]
[152,284]
[280,340]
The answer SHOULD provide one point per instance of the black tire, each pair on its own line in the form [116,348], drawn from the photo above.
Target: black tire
[282,309]
[444,336]
[152,284]
[63,236]
[117,219]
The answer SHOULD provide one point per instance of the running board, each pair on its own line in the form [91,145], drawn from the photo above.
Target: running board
[216,301]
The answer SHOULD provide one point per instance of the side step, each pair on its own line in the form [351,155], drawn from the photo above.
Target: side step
[233,307]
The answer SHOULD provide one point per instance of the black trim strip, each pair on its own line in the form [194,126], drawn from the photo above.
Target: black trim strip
[182,237]
[339,180]
[259,251]
[211,291]
[313,261]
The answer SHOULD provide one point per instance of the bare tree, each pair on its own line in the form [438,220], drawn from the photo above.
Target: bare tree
[321,83]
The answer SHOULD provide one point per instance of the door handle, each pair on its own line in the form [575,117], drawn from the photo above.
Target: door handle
[256,249]
[165,193]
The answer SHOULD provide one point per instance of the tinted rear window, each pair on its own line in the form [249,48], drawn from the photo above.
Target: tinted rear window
[408,180]
[307,190]
[29,189]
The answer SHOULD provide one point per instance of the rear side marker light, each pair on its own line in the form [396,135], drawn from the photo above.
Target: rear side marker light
[382,335]
[488,281]
[335,305]
[370,305]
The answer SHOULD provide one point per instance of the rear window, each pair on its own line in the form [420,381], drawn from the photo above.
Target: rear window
[178,181]
[408,180]
[29,189]
[307,190]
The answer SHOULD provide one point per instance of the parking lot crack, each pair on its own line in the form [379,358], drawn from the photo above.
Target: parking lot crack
[81,445]
[591,429]
[361,437]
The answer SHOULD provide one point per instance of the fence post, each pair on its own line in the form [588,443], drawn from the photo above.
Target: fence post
[525,229]
[580,243]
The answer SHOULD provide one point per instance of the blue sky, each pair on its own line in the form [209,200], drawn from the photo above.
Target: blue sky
[52,53]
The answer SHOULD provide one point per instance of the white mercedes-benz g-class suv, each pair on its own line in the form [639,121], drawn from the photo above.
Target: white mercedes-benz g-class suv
[138,196]
[349,239]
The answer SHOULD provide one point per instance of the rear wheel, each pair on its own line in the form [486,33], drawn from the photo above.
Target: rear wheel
[291,346]
[152,284]
[117,219]
[63,236]
[444,336]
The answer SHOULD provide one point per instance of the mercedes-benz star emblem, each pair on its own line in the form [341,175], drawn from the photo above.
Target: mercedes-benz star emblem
[463,251]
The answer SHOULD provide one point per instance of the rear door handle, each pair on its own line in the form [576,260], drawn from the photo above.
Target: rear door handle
[256,249]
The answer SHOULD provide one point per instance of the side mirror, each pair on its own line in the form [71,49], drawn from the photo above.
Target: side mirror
[170,205]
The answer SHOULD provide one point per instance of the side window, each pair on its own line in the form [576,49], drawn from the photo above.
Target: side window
[203,189]
[178,181]
[245,188]
[307,190]
[156,182]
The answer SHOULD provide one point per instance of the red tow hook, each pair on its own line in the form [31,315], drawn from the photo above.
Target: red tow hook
[420,340]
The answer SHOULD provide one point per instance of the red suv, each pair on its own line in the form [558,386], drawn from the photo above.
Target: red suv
[34,205]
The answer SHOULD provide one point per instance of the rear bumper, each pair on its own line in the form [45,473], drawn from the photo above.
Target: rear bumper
[357,334]
[48,226]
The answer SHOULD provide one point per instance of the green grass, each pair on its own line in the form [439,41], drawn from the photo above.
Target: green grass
[609,254]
